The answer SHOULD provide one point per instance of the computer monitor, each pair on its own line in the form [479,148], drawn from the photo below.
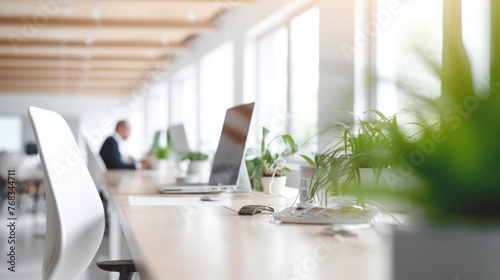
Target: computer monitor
[177,136]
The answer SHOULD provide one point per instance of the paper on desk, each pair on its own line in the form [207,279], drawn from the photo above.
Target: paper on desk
[176,201]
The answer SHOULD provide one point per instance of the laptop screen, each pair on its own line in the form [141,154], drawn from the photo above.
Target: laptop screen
[229,155]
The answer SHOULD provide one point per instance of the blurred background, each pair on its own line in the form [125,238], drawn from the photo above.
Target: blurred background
[162,63]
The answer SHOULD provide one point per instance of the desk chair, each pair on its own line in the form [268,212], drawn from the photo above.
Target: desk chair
[75,215]
[96,167]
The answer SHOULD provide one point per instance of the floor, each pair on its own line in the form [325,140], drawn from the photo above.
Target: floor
[30,237]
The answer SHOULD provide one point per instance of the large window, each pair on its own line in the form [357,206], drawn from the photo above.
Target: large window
[304,73]
[185,105]
[286,79]
[272,92]
[408,46]
[12,135]
[156,115]
[216,94]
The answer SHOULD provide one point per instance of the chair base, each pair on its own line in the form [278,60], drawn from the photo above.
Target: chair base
[125,267]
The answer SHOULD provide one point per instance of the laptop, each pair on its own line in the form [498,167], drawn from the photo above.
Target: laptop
[177,136]
[228,165]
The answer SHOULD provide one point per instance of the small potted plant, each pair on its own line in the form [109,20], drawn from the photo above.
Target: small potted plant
[355,161]
[162,158]
[199,166]
[267,169]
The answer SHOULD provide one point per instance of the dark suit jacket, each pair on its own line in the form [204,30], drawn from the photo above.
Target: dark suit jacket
[111,155]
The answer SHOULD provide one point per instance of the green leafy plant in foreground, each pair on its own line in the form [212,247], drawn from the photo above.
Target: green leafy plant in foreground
[459,159]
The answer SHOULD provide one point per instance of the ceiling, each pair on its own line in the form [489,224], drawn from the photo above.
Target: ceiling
[96,46]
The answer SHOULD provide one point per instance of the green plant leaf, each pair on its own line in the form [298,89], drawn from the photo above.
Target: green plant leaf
[290,142]
[376,112]
[265,131]
[308,159]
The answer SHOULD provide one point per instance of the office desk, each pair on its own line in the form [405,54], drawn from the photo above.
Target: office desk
[214,242]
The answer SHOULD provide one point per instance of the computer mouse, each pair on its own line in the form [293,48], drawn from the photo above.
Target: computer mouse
[254,209]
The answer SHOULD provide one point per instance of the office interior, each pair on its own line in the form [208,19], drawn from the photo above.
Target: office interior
[308,64]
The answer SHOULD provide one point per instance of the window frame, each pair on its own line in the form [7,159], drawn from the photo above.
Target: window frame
[286,23]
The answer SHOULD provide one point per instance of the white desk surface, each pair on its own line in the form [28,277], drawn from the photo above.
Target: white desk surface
[214,242]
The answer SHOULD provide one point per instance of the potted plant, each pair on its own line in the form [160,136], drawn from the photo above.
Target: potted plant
[267,169]
[356,160]
[162,158]
[199,166]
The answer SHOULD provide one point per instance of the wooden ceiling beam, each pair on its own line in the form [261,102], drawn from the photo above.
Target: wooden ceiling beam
[76,46]
[76,67]
[61,83]
[86,52]
[81,65]
[115,45]
[18,56]
[63,91]
[197,27]
[80,43]
[84,78]
[211,2]
[56,73]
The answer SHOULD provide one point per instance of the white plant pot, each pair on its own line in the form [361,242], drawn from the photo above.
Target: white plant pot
[273,185]
[165,166]
[447,252]
[198,171]
[390,180]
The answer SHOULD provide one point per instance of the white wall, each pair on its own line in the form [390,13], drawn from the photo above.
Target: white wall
[94,115]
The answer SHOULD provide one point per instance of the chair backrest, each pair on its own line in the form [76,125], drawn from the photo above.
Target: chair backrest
[96,166]
[75,215]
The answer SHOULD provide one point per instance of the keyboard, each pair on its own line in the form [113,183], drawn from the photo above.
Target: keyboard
[319,215]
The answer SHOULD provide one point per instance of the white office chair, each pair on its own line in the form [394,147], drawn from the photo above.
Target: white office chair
[75,215]
[96,167]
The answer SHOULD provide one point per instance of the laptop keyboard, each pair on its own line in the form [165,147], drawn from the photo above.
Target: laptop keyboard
[319,215]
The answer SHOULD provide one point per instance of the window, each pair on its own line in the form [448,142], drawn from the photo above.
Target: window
[272,81]
[216,94]
[12,136]
[286,77]
[304,78]
[404,46]
[156,113]
[185,103]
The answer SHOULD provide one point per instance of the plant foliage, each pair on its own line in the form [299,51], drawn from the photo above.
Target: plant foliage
[458,160]
[368,144]
[163,152]
[270,160]
[194,156]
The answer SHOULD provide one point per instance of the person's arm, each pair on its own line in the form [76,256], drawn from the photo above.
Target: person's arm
[111,155]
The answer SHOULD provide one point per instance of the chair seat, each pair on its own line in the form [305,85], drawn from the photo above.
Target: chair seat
[123,266]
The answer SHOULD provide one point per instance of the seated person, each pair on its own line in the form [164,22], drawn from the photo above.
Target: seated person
[110,150]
